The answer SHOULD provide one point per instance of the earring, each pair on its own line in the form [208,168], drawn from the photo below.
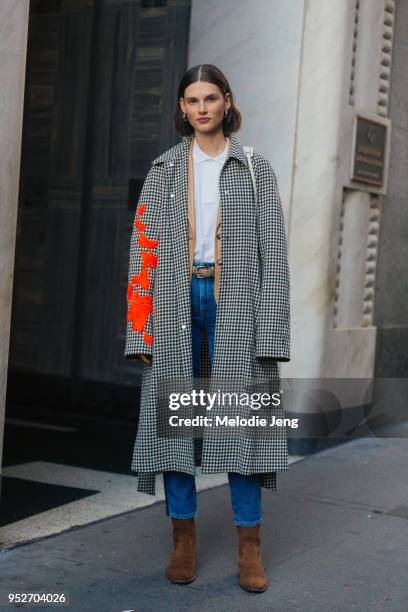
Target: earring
[226,113]
[184,116]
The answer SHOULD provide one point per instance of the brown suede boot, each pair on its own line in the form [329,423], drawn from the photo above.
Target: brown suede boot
[182,566]
[251,571]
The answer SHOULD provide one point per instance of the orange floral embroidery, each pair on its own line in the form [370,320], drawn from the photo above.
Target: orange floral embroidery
[148,339]
[129,292]
[142,279]
[146,242]
[149,260]
[140,306]
[141,208]
[139,225]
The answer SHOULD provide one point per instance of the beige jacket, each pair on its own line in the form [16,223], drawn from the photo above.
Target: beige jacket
[191,224]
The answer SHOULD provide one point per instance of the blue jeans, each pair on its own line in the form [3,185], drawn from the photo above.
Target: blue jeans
[179,487]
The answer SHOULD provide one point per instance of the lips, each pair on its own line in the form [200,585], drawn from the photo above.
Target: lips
[203,120]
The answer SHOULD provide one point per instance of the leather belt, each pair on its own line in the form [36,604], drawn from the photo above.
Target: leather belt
[203,271]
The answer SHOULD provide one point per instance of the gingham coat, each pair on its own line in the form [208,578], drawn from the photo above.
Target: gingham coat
[253,310]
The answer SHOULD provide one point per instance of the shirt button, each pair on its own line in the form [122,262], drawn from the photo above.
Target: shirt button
[226,192]
[171,163]
[172,195]
[183,325]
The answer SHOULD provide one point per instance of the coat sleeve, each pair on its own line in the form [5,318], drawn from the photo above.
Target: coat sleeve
[273,322]
[143,259]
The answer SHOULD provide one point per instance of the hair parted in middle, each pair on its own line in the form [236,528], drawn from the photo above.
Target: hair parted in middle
[211,74]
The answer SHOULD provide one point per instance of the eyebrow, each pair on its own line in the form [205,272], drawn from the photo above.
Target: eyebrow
[194,97]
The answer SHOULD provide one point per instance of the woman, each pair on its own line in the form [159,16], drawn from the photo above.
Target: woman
[208,294]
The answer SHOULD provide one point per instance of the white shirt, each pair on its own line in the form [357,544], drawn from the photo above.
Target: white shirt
[207,171]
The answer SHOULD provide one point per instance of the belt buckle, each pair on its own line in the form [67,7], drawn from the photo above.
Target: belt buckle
[198,273]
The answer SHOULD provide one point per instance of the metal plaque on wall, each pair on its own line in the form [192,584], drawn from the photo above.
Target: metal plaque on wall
[369,151]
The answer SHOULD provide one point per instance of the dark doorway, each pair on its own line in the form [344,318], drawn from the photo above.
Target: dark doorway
[100,93]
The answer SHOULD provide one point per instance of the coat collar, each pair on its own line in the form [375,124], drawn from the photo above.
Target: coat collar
[181,150]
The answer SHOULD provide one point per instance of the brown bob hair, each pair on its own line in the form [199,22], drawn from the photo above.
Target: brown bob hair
[211,74]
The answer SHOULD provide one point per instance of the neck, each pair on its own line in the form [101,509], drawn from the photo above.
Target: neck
[212,144]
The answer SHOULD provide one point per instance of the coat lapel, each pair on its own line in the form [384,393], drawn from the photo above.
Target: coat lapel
[191,207]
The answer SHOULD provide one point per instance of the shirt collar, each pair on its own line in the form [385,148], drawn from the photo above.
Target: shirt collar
[179,152]
[200,156]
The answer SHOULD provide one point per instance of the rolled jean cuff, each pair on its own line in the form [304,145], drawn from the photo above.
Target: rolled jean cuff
[182,516]
[248,523]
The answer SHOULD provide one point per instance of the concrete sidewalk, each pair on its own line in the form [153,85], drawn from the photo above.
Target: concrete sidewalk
[334,537]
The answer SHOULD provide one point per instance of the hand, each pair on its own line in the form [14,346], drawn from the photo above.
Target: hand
[146,358]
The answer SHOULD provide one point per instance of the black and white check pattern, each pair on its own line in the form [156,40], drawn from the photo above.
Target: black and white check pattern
[253,313]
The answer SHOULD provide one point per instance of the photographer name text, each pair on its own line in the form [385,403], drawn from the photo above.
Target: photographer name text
[231,421]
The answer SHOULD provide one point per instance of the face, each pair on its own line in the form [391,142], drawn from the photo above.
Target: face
[204,100]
